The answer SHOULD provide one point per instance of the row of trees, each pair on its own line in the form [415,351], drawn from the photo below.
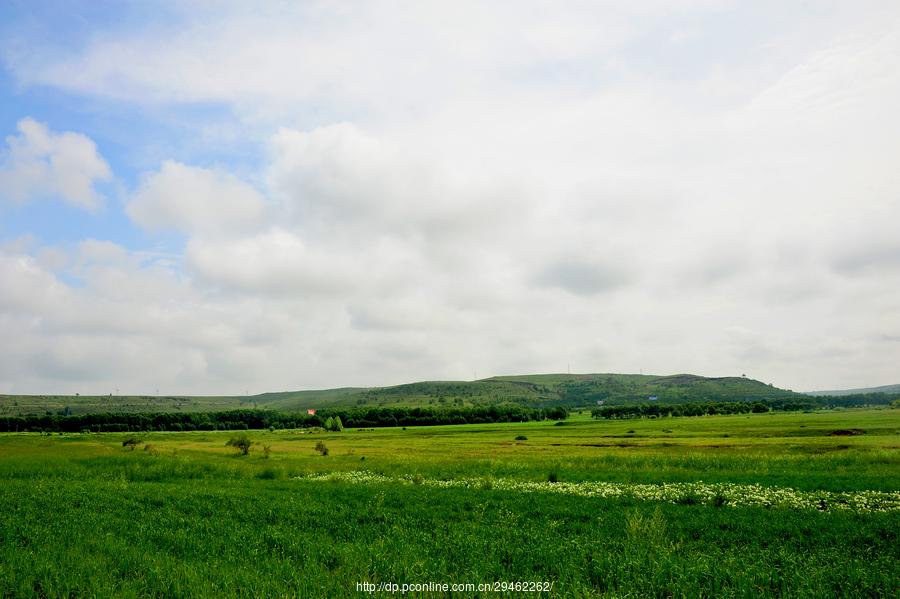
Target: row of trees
[331,419]
[856,400]
[786,404]
[688,409]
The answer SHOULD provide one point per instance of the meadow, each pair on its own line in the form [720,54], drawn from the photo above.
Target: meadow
[775,504]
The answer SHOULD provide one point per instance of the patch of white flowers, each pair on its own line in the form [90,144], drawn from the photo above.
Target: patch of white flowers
[722,494]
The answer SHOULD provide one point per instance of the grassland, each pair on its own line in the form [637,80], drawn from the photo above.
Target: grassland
[184,515]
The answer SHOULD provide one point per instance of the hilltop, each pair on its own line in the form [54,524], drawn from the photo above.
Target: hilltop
[535,390]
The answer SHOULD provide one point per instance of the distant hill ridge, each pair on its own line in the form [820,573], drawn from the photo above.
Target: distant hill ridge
[865,390]
[531,390]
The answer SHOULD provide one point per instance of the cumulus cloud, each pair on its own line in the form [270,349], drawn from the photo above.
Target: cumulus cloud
[39,163]
[341,178]
[192,199]
[275,261]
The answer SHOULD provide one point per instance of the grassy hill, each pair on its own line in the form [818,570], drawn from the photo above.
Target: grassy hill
[537,390]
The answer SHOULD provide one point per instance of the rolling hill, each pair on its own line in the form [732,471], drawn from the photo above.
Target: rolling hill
[536,390]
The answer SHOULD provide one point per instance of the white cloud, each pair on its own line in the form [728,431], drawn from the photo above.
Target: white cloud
[192,199]
[376,53]
[494,187]
[338,179]
[39,163]
[275,261]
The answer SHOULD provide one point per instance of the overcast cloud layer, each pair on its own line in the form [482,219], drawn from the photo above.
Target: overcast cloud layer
[319,196]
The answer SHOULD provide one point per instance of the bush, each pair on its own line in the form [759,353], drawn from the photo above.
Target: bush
[321,448]
[241,443]
[131,442]
[269,474]
[521,438]
[267,451]
[688,499]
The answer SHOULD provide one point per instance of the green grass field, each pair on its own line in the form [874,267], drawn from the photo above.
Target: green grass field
[778,504]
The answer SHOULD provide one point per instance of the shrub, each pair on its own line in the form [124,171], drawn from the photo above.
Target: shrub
[268,474]
[521,438]
[321,448]
[688,498]
[131,442]
[553,477]
[267,451]
[242,443]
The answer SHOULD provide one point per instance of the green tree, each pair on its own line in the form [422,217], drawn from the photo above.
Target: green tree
[241,443]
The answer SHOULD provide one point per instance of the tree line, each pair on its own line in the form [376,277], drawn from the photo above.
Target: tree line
[265,419]
[687,409]
[787,404]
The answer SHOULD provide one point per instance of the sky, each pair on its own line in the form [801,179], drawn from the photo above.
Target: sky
[203,197]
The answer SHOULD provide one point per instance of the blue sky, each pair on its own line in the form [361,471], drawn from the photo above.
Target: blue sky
[205,198]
